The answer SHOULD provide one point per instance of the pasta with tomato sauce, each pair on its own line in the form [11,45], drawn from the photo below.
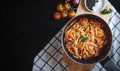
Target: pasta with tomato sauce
[84,38]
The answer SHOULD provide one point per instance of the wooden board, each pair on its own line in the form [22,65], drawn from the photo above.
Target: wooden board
[73,66]
[82,10]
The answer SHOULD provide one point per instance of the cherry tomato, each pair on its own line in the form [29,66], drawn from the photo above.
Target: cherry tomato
[57,15]
[67,6]
[64,14]
[71,14]
[60,7]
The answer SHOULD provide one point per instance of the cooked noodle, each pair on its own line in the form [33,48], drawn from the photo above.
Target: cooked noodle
[85,38]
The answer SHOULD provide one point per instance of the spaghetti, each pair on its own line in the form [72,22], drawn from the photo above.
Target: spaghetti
[85,38]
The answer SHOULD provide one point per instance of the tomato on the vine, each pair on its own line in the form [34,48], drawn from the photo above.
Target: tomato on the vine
[71,14]
[57,15]
[67,6]
[64,14]
[60,7]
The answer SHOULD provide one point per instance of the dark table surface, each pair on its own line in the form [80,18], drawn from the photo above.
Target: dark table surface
[27,26]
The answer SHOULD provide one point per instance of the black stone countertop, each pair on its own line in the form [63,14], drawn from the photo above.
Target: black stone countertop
[27,26]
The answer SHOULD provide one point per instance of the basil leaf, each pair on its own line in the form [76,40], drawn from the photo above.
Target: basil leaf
[84,38]
[106,11]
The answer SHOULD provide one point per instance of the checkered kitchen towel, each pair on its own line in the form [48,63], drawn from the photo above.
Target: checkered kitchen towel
[50,57]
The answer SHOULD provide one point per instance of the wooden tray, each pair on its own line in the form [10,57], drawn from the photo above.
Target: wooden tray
[82,10]
[72,66]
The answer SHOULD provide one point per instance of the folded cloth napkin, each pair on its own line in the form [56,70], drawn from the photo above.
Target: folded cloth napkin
[50,57]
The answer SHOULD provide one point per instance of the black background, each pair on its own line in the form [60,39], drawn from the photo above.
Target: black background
[26,27]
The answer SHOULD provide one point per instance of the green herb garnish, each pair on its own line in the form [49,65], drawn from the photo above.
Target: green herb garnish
[106,11]
[84,38]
